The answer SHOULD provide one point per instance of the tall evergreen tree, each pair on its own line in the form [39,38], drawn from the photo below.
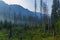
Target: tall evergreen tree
[54,16]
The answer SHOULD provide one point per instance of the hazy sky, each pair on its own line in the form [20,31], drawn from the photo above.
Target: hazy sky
[29,4]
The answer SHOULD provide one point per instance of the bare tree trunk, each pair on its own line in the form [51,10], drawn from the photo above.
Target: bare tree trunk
[35,11]
[41,12]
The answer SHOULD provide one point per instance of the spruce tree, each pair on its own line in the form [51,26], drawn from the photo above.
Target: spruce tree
[54,16]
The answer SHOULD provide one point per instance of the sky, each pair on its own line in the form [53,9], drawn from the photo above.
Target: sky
[29,4]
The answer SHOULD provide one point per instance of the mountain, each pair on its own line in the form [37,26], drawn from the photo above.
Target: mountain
[19,11]
[3,9]
[18,14]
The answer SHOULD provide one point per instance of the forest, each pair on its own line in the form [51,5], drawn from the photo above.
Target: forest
[47,29]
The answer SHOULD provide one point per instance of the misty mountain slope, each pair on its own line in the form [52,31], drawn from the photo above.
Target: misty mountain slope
[17,13]
[3,10]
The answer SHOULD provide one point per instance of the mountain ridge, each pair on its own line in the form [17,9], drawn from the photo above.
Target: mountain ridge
[9,11]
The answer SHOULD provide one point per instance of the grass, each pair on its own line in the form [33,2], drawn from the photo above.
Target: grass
[30,34]
[3,34]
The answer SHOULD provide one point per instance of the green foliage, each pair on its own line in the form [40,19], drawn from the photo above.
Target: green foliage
[33,32]
[1,25]
[58,27]
[5,24]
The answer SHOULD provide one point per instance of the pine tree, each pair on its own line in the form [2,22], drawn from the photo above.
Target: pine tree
[54,16]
